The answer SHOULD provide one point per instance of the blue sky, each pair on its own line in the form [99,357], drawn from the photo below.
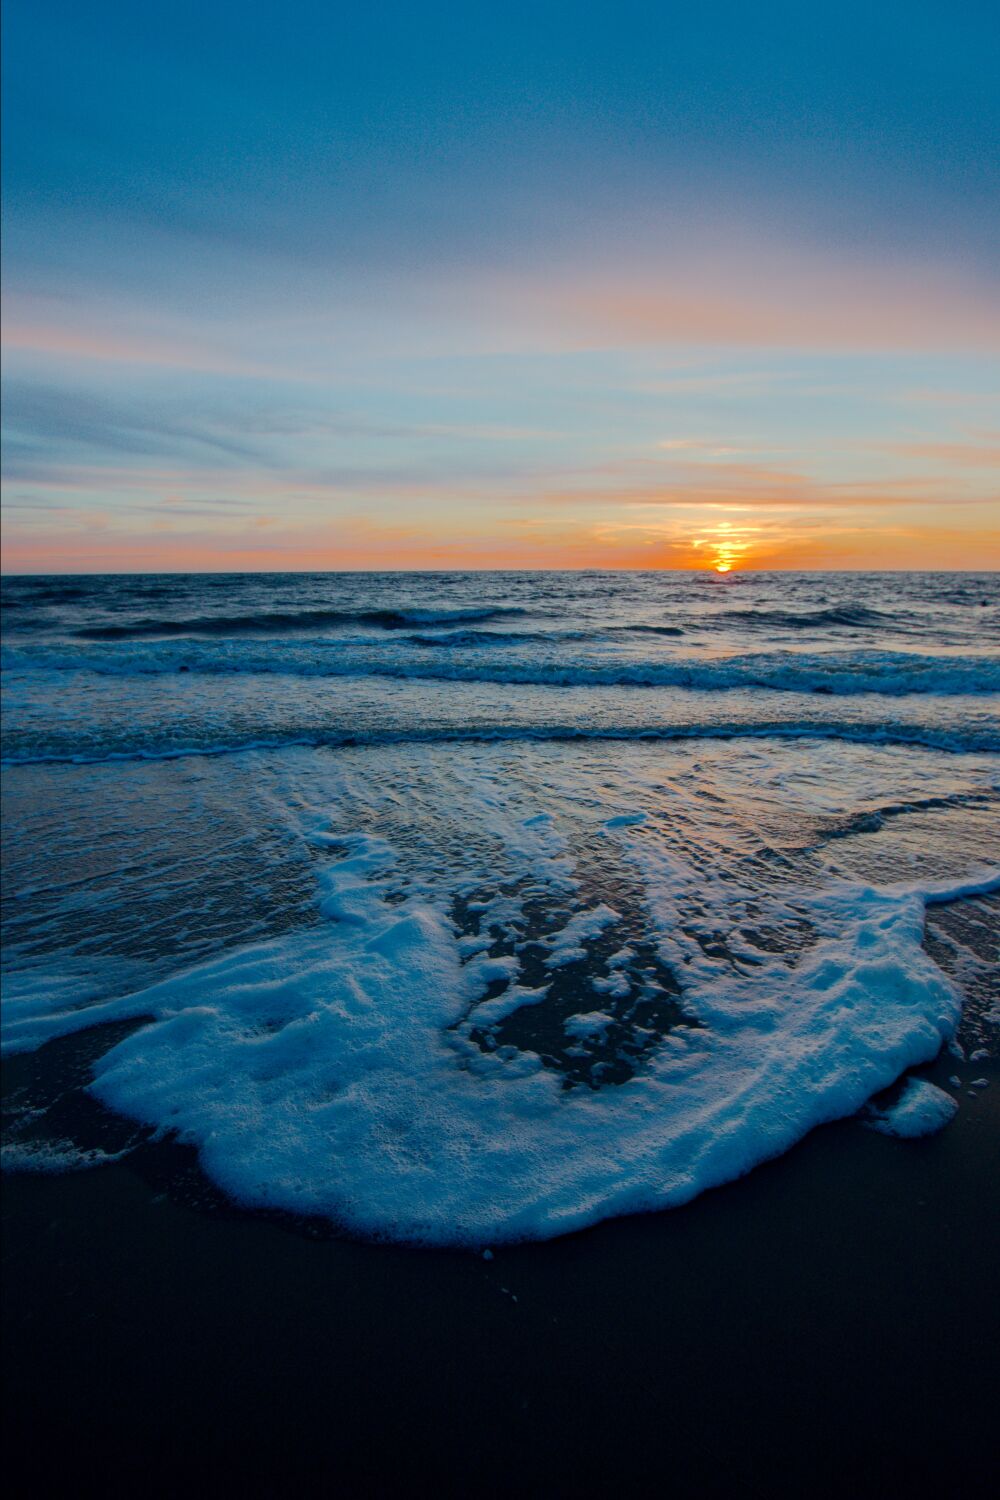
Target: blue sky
[455,285]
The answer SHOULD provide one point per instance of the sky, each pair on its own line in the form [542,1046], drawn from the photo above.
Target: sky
[459,285]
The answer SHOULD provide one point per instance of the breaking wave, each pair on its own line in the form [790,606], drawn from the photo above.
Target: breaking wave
[287,621]
[857,615]
[892,674]
[168,746]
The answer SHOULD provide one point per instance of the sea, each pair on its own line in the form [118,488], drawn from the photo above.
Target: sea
[469,908]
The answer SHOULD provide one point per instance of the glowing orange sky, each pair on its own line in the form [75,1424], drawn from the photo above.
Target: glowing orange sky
[101,546]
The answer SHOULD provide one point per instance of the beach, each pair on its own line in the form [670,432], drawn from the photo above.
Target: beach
[830,1322]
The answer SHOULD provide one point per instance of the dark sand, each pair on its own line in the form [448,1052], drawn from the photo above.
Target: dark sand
[827,1325]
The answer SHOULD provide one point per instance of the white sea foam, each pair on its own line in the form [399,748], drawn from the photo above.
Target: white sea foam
[565,947]
[921,1109]
[41,1003]
[588,1024]
[332,1071]
[53,1156]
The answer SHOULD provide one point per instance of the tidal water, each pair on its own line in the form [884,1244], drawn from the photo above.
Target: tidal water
[462,908]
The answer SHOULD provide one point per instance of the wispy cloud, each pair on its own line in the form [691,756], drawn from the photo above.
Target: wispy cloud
[765,297]
[964,455]
[65,342]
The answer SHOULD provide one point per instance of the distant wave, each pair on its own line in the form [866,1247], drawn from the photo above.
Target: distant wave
[856,615]
[48,593]
[283,621]
[280,623]
[838,673]
[649,629]
[875,732]
[457,639]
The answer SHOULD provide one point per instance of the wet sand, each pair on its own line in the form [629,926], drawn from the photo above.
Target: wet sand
[829,1324]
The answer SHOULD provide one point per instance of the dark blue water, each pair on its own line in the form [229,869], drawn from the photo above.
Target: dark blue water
[160,665]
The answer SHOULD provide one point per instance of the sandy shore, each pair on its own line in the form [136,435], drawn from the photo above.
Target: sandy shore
[828,1324]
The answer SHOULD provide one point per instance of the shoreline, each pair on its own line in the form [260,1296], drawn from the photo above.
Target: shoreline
[829,1320]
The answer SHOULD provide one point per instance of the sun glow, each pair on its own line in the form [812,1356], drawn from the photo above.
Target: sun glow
[727,546]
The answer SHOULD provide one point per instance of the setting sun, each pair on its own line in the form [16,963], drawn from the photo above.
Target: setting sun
[727,544]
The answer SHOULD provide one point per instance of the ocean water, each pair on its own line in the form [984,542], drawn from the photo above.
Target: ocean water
[463,908]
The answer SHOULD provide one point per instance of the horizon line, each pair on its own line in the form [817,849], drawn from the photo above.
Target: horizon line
[448,572]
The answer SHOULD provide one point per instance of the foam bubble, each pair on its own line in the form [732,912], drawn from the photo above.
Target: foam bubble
[587,1024]
[53,1156]
[921,1109]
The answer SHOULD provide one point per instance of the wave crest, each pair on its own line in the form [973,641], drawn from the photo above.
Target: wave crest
[269,622]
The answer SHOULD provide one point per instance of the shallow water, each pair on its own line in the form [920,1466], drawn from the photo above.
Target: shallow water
[503,903]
